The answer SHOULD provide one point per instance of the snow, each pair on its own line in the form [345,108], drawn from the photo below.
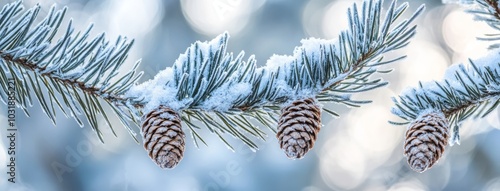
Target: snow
[418,101]
[312,46]
[277,61]
[156,92]
[163,88]
[455,136]
[279,69]
[167,115]
[424,114]
[490,60]
[223,98]
[283,66]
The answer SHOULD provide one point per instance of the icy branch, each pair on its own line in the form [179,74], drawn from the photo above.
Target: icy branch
[76,73]
[465,91]
[207,83]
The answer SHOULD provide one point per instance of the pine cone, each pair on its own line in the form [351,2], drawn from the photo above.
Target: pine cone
[163,137]
[426,139]
[298,127]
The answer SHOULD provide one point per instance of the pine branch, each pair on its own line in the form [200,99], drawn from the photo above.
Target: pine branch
[436,109]
[226,93]
[80,72]
[472,91]
[488,11]
[465,92]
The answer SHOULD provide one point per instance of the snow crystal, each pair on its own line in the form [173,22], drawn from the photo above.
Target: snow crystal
[284,65]
[455,136]
[155,92]
[312,46]
[459,79]
[223,98]
[462,2]
[278,61]
[490,60]
[167,115]
[72,74]
[425,112]
[161,90]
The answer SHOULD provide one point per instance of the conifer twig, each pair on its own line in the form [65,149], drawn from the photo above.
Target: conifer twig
[74,74]
[225,92]
[471,90]
[206,84]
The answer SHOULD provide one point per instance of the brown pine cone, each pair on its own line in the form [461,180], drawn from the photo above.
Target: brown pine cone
[298,127]
[426,139]
[163,137]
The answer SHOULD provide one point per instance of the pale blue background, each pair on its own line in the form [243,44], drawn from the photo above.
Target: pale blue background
[358,151]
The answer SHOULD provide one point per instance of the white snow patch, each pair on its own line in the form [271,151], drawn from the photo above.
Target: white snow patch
[223,98]
[156,92]
[166,115]
[312,46]
[278,61]
[423,114]
[283,66]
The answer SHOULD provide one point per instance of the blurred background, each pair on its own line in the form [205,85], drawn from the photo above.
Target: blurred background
[358,151]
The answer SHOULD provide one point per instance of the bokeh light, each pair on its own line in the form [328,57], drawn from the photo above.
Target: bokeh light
[460,32]
[3,152]
[212,17]
[492,185]
[411,185]
[359,150]
[312,18]
[426,61]
[132,18]
[494,119]
[335,17]
[342,164]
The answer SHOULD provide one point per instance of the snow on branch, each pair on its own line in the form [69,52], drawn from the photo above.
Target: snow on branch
[207,85]
[466,91]
[204,79]
[225,93]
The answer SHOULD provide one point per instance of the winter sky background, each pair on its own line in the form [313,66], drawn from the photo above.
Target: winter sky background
[358,151]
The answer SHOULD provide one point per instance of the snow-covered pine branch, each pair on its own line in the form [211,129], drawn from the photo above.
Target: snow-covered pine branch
[465,91]
[224,92]
[74,74]
[434,110]
[207,84]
